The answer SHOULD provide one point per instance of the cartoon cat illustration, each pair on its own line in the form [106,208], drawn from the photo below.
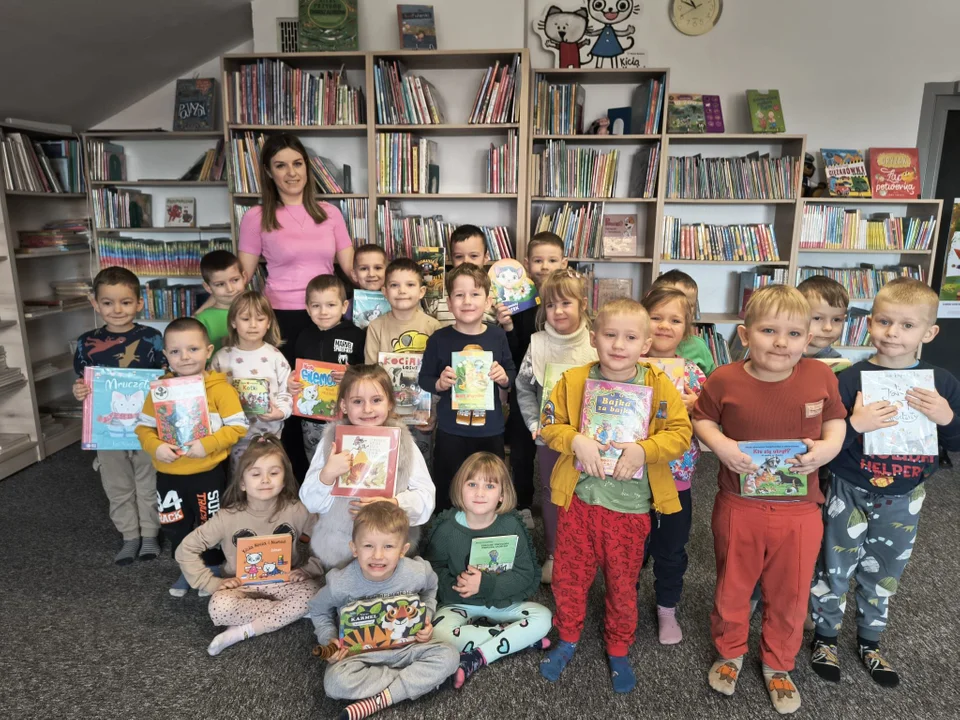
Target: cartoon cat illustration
[399,619]
[121,421]
[565,32]
[510,280]
[252,567]
[307,402]
[609,13]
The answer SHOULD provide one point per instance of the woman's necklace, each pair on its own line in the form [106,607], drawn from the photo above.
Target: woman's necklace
[301,223]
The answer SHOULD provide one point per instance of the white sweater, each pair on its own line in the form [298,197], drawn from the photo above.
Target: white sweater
[268,363]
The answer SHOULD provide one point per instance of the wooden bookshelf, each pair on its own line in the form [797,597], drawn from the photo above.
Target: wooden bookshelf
[158,183]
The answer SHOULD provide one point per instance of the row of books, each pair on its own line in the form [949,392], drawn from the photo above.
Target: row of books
[245,162]
[9,377]
[405,99]
[752,280]
[580,227]
[164,301]
[559,171]
[330,180]
[270,92]
[107,160]
[47,166]
[502,165]
[157,257]
[120,208]
[557,107]
[407,164]
[355,214]
[863,283]
[855,332]
[644,172]
[209,167]
[56,236]
[498,99]
[699,241]
[400,235]
[715,341]
[833,227]
[754,177]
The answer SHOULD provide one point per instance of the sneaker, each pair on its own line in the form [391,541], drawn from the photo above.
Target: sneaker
[670,632]
[527,518]
[824,660]
[546,573]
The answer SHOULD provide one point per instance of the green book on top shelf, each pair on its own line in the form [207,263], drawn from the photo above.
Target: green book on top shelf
[328,25]
[766,111]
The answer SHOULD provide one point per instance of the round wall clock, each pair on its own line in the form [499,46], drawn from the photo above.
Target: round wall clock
[695,17]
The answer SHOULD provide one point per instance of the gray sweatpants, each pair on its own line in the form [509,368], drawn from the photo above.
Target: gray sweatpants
[408,672]
[130,483]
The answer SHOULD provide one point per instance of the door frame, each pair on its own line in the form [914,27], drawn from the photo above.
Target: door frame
[933,118]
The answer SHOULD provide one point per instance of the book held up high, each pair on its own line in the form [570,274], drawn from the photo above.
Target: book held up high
[493,555]
[512,287]
[373,461]
[180,406]
[615,412]
[914,433]
[368,305]
[774,476]
[264,559]
[317,398]
[254,394]
[112,409]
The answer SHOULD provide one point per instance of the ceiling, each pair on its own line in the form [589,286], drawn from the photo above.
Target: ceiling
[81,61]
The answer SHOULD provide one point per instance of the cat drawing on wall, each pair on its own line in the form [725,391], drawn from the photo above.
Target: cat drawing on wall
[564,32]
[608,13]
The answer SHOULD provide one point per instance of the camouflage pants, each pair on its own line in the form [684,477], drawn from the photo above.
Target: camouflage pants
[867,536]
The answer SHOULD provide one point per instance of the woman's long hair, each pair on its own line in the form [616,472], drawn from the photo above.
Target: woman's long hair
[270,194]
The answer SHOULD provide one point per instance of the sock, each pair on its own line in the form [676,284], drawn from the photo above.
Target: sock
[669,629]
[470,662]
[365,708]
[880,670]
[231,636]
[149,548]
[180,587]
[556,660]
[621,674]
[128,552]
[724,673]
[783,693]
[824,659]
[541,644]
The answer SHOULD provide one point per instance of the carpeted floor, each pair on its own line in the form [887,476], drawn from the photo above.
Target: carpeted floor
[83,638]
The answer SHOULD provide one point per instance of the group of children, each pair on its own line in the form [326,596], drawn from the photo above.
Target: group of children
[362,548]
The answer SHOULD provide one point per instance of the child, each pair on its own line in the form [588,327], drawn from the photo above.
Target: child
[605,520]
[380,678]
[467,245]
[369,264]
[190,480]
[828,301]
[565,338]
[223,279]
[251,352]
[128,478]
[692,348]
[671,321]
[331,339]
[365,399]
[872,513]
[774,395]
[261,500]
[483,507]
[460,434]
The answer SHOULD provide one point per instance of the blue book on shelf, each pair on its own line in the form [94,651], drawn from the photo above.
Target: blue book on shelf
[112,409]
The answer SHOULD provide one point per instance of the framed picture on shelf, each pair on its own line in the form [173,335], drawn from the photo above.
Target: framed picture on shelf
[181,212]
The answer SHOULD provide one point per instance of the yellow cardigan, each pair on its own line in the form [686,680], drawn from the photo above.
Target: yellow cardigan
[669,436]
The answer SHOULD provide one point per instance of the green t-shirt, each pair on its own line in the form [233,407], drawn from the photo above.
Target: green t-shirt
[695,350]
[630,496]
[215,321]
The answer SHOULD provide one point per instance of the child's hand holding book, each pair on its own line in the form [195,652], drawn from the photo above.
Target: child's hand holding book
[499,375]
[196,450]
[447,379]
[930,403]
[504,318]
[337,465]
[632,458]
[874,416]
[167,453]
[689,398]
[818,454]
[229,584]
[425,635]
[81,390]
[588,452]
[732,457]
[272,413]
[468,583]
[360,503]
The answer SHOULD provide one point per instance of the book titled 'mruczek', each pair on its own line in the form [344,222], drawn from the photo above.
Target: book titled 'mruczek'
[493,554]
[112,409]
[615,412]
[180,407]
[381,622]
[774,476]
[264,559]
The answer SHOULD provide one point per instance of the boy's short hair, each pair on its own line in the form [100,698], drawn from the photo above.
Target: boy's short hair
[217,261]
[908,291]
[116,276]
[776,300]
[403,265]
[828,290]
[622,306]
[186,324]
[369,248]
[677,277]
[545,238]
[470,270]
[326,282]
[383,517]
[465,232]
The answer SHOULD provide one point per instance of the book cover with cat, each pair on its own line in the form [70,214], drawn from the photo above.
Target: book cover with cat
[473,389]
[374,452]
[493,555]
[774,476]
[381,622]
[511,286]
[367,306]
[615,412]
[112,409]
[264,559]
[317,398]
[254,395]
[412,402]
[180,404]
[914,433]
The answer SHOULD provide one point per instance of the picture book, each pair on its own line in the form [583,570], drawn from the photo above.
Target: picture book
[381,622]
[195,105]
[914,433]
[551,376]
[620,120]
[895,173]
[774,477]
[180,212]
[766,111]
[614,411]
[619,236]
[511,286]
[838,365]
[180,404]
[254,395]
[607,289]
[412,401]
[712,113]
[675,368]
[367,306]
[685,114]
[473,389]
[264,559]
[328,25]
[846,173]
[417,27]
[373,461]
[493,554]
[317,398]
[431,262]
[112,409]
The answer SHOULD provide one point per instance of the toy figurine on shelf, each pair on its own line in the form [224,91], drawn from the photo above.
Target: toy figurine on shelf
[600,126]
[811,188]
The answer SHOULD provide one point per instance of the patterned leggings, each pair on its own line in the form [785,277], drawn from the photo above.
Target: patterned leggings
[497,632]
[275,606]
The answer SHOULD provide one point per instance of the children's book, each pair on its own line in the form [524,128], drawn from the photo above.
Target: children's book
[368,305]
[373,461]
[675,368]
[412,401]
[181,212]
[510,285]
[846,173]
[685,114]
[619,236]
[838,365]
[551,376]
[418,30]
[914,433]
[766,111]
[620,120]
[615,412]
[493,554]
[317,398]
[473,389]
[381,622]
[712,113]
[607,289]
[328,25]
[254,395]
[431,262]
[112,409]
[775,477]
[895,172]
[264,559]
[180,404]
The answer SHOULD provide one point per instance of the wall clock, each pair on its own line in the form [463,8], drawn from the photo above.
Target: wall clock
[695,17]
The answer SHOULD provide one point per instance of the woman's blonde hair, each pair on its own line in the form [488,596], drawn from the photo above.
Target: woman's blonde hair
[563,284]
[271,196]
[261,446]
[484,466]
[255,302]
[663,294]
[356,374]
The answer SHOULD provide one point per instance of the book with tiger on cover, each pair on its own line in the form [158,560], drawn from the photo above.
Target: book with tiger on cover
[381,622]
[374,452]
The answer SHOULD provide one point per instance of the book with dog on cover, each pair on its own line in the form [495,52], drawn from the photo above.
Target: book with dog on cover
[774,476]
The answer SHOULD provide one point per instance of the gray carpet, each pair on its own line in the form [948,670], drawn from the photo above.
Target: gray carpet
[83,638]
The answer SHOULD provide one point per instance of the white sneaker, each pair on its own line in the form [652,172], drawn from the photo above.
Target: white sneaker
[546,573]
[527,518]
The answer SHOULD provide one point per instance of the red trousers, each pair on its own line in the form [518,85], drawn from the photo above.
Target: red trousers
[777,544]
[589,536]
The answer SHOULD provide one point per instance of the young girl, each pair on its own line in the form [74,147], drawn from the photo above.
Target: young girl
[563,339]
[484,503]
[250,353]
[366,399]
[671,320]
[260,500]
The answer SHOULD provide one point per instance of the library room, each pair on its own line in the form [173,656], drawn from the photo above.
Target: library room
[486,359]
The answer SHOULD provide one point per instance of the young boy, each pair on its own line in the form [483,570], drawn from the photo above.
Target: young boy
[331,339]
[467,245]
[462,433]
[692,348]
[128,477]
[369,266]
[380,678]
[872,513]
[605,520]
[223,279]
[191,479]
[828,301]
[773,395]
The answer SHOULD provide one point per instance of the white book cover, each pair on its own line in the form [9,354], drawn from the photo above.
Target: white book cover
[914,433]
